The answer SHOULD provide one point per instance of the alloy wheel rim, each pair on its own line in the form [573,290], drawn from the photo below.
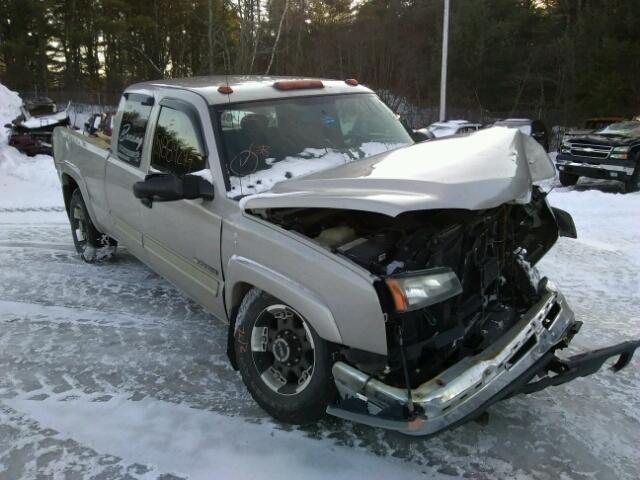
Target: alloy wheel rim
[282,350]
[80,226]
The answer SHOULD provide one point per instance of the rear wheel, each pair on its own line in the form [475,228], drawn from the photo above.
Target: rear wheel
[91,244]
[285,365]
[567,180]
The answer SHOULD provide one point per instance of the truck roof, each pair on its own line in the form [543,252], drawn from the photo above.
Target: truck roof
[248,87]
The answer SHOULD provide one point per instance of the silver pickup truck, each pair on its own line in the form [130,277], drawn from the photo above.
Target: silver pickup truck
[382,281]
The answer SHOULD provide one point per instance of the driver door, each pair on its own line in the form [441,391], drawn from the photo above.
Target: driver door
[182,238]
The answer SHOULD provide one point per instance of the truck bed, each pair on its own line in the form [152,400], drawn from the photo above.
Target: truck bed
[82,159]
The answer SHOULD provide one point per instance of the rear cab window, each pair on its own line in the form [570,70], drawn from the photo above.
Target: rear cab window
[136,110]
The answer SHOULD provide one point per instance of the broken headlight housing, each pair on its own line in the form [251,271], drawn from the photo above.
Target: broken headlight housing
[416,290]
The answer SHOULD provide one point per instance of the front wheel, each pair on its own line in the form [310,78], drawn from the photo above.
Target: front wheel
[567,180]
[633,184]
[89,242]
[285,365]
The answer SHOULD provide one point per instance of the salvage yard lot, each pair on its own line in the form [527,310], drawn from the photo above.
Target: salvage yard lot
[107,371]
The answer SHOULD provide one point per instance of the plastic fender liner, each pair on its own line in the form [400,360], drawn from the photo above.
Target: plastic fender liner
[566,226]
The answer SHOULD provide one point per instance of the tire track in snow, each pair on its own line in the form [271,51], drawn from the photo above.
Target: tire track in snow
[30,209]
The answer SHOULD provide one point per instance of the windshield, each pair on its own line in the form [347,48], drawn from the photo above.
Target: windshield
[267,142]
[625,129]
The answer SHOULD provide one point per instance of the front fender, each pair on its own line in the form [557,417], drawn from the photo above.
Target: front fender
[242,271]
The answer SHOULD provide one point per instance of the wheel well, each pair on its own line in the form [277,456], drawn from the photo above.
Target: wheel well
[69,185]
[239,291]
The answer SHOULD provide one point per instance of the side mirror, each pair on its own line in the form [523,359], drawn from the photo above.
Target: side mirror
[164,187]
[8,125]
[420,136]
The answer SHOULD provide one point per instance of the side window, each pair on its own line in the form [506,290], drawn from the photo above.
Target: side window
[133,125]
[176,148]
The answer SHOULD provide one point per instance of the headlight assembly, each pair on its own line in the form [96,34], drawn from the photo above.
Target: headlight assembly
[415,290]
[621,153]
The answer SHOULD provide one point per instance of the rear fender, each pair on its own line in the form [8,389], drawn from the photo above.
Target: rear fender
[70,175]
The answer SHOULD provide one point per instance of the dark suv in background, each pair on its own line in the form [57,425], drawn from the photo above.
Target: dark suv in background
[611,153]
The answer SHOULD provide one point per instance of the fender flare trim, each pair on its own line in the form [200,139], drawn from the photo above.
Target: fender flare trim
[241,270]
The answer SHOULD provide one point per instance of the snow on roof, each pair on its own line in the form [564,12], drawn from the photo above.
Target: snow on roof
[246,88]
[516,120]
[624,128]
[451,123]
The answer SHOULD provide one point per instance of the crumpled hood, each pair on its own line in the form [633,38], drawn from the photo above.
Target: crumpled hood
[482,170]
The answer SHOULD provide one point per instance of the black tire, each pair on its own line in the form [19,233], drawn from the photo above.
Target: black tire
[633,184]
[568,180]
[91,244]
[296,407]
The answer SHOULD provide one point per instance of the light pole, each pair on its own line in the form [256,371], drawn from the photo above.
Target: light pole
[443,71]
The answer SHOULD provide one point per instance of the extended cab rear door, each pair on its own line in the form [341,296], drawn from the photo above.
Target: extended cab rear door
[182,238]
[125,167]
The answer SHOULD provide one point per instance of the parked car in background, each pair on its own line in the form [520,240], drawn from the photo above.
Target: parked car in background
[421,135]
[534,128]
[355,277]
[40,106]
[31,131]
[610,153]
[449,128]
[591,125]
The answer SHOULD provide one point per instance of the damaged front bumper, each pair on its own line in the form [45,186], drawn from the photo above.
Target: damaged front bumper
[465,390]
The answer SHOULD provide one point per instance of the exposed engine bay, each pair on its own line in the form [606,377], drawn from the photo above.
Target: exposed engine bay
[492,252]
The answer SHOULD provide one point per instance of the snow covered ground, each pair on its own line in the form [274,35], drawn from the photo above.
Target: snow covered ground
[107,371]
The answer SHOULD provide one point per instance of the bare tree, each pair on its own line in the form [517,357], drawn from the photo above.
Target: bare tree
[275,43]
[256,37]
[210,37]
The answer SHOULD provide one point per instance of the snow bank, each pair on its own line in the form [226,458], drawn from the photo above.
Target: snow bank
[596,226]
[25,182]
[9,109]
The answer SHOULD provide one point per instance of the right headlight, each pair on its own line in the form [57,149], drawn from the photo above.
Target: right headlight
[416,290]
[621,153]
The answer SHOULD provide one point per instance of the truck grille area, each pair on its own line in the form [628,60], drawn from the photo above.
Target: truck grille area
[588,150]
[491,251]
[492,255]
